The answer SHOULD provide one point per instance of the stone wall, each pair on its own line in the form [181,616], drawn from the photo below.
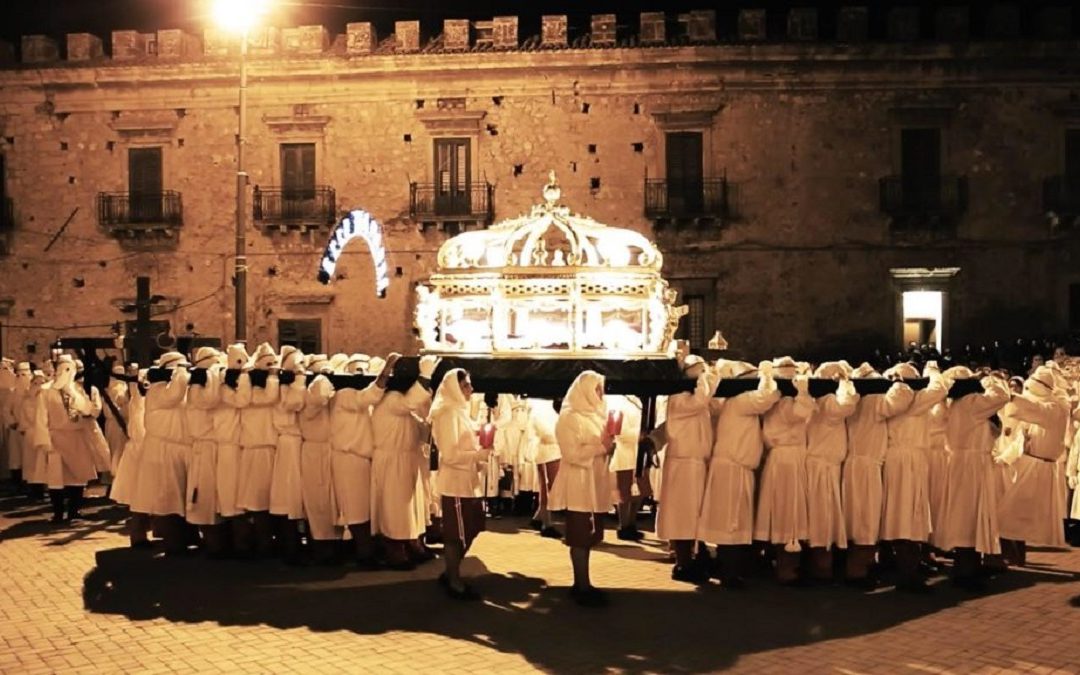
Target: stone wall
[804,131]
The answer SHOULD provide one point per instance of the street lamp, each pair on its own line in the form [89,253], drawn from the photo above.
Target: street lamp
[239,16]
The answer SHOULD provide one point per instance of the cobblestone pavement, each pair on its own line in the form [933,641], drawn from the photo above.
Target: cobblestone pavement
[74,599]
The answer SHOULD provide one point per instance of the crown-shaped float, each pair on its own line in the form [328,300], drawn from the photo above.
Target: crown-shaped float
[550,284]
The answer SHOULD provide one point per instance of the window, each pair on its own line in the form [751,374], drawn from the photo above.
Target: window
[452,176]
[693,324]
[304,334]
[920,167]
[685,171]
[298,171]
[144,184]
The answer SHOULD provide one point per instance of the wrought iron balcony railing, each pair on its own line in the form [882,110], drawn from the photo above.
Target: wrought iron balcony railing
[135,211]
[275,205]
[1061,196]
[708,198]
[476,203]
[912,200]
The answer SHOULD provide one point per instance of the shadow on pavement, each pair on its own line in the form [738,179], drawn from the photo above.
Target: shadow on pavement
[642,630]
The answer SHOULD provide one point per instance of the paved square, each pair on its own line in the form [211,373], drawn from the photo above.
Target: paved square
[75,599]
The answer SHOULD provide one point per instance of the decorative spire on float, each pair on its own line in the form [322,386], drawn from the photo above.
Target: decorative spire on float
[549,284]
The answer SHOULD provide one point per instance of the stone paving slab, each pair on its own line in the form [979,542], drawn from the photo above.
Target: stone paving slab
[76,600]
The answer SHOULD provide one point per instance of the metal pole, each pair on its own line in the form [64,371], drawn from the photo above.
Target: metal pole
[241,192]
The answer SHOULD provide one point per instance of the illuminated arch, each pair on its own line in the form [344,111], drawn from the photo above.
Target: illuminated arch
[356,224]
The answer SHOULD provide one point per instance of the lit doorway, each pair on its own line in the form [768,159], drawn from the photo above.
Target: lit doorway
[923,318]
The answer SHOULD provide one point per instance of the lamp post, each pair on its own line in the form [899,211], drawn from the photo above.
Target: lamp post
[239,16]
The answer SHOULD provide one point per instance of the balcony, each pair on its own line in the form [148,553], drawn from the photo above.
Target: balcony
[452,211]
[1061,200]
[284,209]
[710,201]
[924,207]
[128,215]
[7,224]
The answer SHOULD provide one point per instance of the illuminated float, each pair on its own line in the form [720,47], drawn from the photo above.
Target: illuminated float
[550,284]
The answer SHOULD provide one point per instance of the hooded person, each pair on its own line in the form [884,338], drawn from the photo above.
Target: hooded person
[826,449]
[1032,510]
[624,462]
[100,445]
[905,516]
[937,463]
[317,483]
[203,402]
[727,509]
[511,441]
[16,432]
[116,396]
[547,456]
[235,396]
[399,497]
[59,428]
[286,485]
[461,459]
[781,518]
[968,520]
[258,443]
[33,458]
[162,488]
[861,483]
[352,446]
[689,433]
[129,472]
[7,418]
[582,486]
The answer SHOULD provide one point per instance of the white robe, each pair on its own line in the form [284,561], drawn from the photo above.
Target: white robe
[202,404]
[320,503]
[258,444]
[12,403]
[727,510]
[905,509]
[1032,510]
[34,459]
[129,470]
[938,455]
[868,439]
[69,445]
[460,467]
[352,445]
[162,488]
[114,434]
[826,449]
[227,431]
[400,498]
[968,516]
[781,516]
[286,486]
[689,434]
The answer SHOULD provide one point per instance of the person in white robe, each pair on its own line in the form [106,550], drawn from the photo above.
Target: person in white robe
[905,516]
[582,487]
[203,401]
[689,433]
[317,483]
[547,456]
[116,416]
[727,509]
[461,461]
[781,518]
[826,449]
[968,519]
[937,466]
[399,506]
[15,433]
[862,486]
[235,396]
[130,470]
[7,415]
[286,485]
[352,445]
[624,463]
[258,443]
[59,428]
[33,458]
[1033,508]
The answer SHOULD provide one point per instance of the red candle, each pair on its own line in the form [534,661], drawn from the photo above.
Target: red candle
[487,435]
[614,422]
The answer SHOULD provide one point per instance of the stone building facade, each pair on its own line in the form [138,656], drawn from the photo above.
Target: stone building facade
[798,187]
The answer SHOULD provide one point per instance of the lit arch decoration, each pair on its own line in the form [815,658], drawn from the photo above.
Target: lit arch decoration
[357,224]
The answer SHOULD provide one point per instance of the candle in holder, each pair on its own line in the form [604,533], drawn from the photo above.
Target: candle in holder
[614,422]
[487,436]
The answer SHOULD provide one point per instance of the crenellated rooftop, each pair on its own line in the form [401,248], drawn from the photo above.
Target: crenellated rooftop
[846,25]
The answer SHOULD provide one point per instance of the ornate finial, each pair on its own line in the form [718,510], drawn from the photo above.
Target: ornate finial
[551,190]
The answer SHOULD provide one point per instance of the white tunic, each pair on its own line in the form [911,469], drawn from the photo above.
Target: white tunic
[227,430]
[202,404]
[906,489]
[286,486]
[400,500]
[114,434]
[70,447]
[868,439]
[352,445]
[826,449]
[968,516]
[454,435]
[689,434]
[33,458]
[781,516]
[727,510]
[542,419]
[130,471]
[937,460]
[320,503]
[582,484]
[258,444]
[162,488]
[1033,508]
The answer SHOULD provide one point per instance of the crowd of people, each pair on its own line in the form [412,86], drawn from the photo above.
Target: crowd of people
[262,454]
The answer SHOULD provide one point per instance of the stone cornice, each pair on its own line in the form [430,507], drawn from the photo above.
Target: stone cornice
[452,122]
[306,124]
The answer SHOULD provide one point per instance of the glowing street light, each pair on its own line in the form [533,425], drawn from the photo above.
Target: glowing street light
[240,16]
